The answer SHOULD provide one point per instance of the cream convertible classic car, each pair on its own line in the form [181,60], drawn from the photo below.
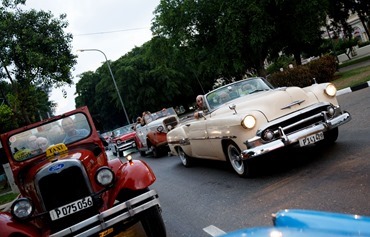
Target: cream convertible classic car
[250,118]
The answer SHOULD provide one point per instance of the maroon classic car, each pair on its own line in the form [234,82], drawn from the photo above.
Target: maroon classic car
[123,141]
[69,187]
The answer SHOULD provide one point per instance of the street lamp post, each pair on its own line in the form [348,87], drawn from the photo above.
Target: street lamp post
[114,81]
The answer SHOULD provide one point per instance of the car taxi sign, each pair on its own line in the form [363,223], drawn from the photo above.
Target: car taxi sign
[56,150]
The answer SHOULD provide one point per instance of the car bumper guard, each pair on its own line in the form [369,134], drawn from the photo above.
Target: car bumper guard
[112,216]
[292,138]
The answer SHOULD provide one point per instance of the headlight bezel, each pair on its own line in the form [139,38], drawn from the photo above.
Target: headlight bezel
[102,173]
[330,90]
[249,121]
[22,204]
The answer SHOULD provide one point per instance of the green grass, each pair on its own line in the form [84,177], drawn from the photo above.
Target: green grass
[8,197]
[351,62]
[351,78]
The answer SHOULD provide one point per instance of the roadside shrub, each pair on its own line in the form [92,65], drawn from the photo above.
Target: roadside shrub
[299,76]
[322,70]
[362,44]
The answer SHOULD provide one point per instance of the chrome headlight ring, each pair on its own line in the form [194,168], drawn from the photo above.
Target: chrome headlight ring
[331,90]
[22,209]
[249,121]
[104,176]
[331,110]
[268,135]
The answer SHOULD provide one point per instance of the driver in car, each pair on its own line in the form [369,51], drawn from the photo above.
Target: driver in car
[72,133]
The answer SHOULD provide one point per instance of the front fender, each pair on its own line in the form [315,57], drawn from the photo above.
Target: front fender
[178,138]
[157,139]
[134,175]
[8,227]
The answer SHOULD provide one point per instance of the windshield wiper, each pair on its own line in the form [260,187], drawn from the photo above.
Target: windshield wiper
[258,90]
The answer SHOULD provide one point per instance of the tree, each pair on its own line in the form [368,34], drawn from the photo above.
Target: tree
[298,26]
[239,35]
[35,54]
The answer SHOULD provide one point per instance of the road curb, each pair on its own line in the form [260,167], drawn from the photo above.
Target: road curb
[353,88]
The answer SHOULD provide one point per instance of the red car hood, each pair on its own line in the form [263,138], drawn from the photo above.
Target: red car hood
[125,136]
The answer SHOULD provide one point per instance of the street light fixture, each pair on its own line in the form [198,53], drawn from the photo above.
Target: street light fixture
[114,81]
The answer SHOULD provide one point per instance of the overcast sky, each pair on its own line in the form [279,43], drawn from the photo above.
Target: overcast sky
[128,22]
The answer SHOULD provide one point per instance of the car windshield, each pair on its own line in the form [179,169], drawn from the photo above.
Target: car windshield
[224,94]
[36,140]
[149,117]
[123,130]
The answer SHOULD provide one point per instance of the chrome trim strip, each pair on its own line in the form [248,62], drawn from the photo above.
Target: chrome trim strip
[297,102]
[101,223]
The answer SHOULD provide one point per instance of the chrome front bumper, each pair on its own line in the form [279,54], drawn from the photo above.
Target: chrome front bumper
[292,138]
[109,217]
[126,146]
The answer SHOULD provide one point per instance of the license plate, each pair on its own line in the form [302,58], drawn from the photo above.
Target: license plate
[71,208]
[311,139]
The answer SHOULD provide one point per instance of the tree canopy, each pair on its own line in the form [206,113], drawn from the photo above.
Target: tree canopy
[195,43]
[35,55]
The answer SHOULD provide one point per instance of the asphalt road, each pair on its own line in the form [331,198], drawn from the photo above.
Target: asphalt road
[210,196]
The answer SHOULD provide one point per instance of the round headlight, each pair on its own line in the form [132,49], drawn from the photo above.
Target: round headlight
[331,111]
[22,209]
[160,128]
[268,135]
[105,176]
[249,121]
[119,142]
[331,90]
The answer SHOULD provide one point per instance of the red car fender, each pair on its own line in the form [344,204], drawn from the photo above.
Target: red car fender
[8,227]
[157,138]
[134,175]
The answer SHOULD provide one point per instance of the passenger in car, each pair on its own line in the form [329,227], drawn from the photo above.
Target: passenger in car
[247,88]
[31,143]
[42,143]
[56,134]
[72,133]
[138,123]
[200,107]
[224,97]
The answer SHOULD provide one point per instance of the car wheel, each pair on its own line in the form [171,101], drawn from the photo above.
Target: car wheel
[241,167]
[329,137]
[151,219]
[155,151]
[152,222]
[114,151]
[185,159]
[142,153]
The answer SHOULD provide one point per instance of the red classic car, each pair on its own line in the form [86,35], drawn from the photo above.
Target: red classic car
[123,141]
[69,187]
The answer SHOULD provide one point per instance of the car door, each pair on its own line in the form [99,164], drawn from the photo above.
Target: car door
[199,139]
